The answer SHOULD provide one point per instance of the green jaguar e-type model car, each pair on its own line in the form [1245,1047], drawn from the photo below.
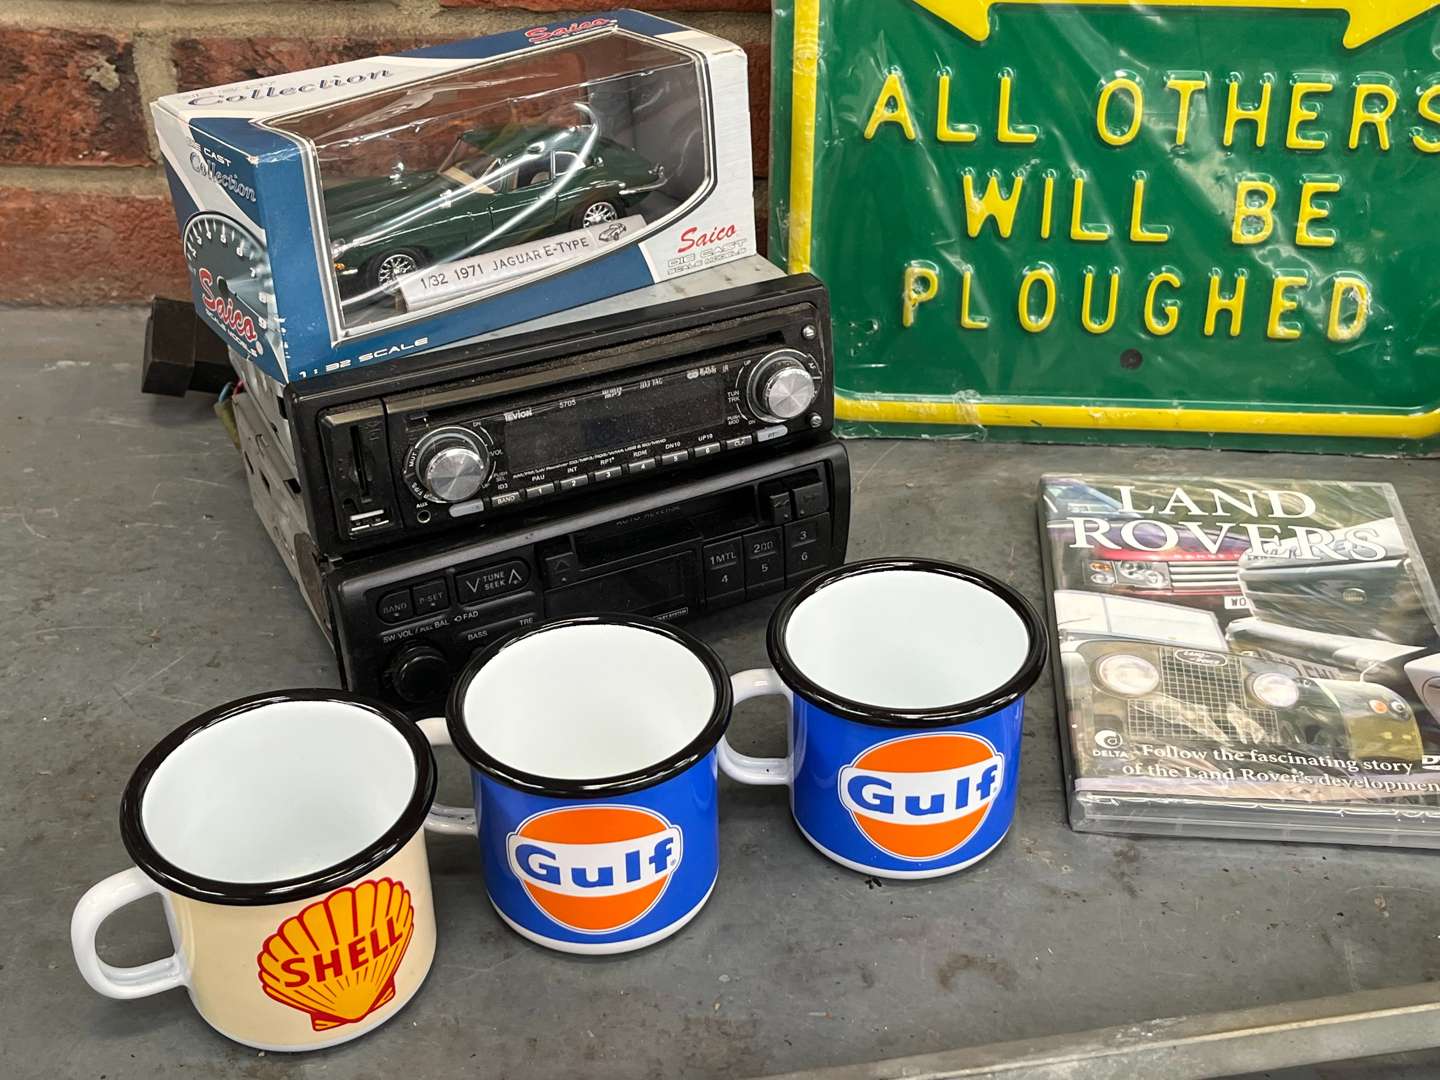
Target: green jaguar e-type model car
[491,191]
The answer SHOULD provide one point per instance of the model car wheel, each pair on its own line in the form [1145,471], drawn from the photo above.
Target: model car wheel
[597,213]
[393,264]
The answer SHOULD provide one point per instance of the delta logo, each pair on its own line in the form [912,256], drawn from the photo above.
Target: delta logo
[923,797]
[595,869]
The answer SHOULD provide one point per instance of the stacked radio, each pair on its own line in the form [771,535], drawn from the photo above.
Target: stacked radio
[659,458]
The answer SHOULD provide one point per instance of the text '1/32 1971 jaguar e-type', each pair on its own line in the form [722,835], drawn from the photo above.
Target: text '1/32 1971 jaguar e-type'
[491,190]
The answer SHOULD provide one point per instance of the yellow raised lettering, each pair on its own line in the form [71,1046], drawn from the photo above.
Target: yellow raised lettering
[1140,233]
[1259,115]
[1347,285]
[1047,211]
[1108,323]
[1362,117]
[1305,236]
[1132,89]
[891,108]
[1078,229]
[1232,305]
[1045,276]
[1301,113]
[967,320]
[1187,89]
[922,282]
[1005,132]
[993,204]
[946,131]
[1247,211]
[1281,304]
[1170,307]
[1428,111]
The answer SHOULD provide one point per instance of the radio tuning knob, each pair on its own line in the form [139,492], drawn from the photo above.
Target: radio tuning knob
[419,673]
[781,386]
[452,464]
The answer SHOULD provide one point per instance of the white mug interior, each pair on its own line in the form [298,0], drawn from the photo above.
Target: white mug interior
[278,791]
[588,701]
[906,639]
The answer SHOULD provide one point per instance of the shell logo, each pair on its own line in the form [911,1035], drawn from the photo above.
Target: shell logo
[336,959]
[595,869]
[921,797]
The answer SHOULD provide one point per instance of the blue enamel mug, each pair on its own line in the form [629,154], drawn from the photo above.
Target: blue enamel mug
[906,680]
[591,743]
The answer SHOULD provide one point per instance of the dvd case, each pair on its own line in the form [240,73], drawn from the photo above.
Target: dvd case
[1243,658]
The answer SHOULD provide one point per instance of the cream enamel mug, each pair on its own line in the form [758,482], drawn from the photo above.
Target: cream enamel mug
[284,835]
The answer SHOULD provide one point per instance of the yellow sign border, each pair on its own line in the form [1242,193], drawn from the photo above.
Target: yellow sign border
[804,103]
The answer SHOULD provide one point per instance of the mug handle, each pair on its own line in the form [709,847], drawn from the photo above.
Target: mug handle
[757,682]
[98,904]
[448,820]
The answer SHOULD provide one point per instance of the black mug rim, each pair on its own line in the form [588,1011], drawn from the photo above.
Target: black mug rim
[316,883]
[1013,689]
[625,783]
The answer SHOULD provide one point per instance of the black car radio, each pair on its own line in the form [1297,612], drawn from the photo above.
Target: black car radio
[478,433]
[404,622]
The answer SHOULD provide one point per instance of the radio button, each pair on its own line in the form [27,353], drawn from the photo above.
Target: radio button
[560,569]
[706,449]
[674,458]
[431,596]
[739,442]
[474,586]
[508,498]
[764,562]
[465,509]
[395,606]
[538,490]
[724,576]
[812,499]
[570,483]
[768,433]
[612,473]
[778,508]
[643,465]
[807,546]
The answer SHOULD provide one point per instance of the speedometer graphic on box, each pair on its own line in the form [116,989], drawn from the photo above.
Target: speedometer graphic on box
[233,272]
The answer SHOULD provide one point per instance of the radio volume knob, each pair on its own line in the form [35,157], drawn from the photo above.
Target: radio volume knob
[781,387]
[452,464]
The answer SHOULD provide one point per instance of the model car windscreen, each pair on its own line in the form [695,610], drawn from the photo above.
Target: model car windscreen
[462,186]
[1080,614]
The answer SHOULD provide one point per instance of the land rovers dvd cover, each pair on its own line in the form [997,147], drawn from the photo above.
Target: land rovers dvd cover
[1243,658]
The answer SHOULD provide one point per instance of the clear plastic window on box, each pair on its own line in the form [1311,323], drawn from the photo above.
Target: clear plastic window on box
[484,179]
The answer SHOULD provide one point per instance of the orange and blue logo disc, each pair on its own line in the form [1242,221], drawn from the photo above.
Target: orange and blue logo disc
[595,869]
[922,797]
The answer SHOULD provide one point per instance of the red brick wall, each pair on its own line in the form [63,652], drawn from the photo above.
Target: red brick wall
[84,212]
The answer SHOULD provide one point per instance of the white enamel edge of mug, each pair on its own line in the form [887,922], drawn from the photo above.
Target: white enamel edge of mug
[757,682]
[100,902]
[442,819]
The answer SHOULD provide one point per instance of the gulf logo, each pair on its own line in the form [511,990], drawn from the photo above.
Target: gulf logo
[595,869]
[921,797]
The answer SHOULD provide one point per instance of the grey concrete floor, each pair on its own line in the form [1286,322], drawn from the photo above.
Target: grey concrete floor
[136,588]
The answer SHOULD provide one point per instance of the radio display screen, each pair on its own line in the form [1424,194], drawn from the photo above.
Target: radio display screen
[610,420]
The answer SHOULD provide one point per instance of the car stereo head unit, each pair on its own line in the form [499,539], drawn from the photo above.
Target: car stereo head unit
[406,621]
[479,433]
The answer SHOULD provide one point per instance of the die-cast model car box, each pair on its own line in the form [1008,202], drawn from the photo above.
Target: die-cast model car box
[357,212]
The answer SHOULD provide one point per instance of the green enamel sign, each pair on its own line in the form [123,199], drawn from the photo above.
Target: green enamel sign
[1191,222]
